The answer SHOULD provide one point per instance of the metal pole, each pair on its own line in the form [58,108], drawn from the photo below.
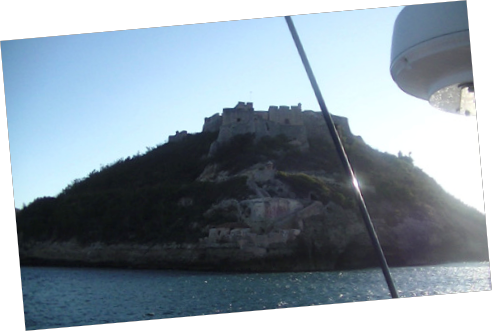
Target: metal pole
[345,161]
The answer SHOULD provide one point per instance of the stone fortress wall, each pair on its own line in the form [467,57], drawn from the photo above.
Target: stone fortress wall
[244,113]
[180,135]
[293,122]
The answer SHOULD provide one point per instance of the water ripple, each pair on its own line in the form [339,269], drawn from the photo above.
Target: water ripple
[63,297]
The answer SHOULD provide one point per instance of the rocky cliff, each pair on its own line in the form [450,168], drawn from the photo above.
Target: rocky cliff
[259,202]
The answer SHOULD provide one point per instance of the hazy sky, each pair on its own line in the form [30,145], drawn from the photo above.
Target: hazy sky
[77,102]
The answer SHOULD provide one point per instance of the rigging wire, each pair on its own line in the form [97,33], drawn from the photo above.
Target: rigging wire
[345,161]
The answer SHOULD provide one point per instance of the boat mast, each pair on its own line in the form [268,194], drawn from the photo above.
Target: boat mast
[345,161]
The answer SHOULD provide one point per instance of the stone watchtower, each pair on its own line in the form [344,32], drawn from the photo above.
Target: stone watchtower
[242,113]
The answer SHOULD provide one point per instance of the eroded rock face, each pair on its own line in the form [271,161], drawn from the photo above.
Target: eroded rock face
[261,214]
[261,211]
[229,209]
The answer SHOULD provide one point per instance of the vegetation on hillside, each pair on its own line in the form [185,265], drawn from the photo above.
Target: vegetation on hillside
[155,197]
[148,198]
[243,151]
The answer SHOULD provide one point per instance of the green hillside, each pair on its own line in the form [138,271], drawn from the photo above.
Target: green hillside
[156,198]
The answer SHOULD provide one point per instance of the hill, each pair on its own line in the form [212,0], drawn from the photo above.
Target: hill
[251,202]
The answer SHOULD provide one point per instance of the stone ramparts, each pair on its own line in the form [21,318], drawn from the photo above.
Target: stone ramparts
[294,123]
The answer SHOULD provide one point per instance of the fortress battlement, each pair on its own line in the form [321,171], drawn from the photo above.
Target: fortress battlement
[244,113]
[297,125]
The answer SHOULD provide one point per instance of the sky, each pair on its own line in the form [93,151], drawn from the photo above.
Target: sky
[78,102]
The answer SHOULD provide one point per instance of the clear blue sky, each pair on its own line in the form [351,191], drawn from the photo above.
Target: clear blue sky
[77,102]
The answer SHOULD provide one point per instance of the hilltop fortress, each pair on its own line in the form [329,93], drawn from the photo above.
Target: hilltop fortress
[297,125]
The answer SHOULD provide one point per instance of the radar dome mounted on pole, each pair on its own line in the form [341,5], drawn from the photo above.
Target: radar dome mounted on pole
[431,55]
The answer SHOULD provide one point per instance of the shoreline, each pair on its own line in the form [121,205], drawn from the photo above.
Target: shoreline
[193,257]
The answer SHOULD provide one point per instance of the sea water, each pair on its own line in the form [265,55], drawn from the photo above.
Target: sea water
[64,297]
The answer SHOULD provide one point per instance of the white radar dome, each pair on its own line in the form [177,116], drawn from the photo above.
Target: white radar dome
[431,56]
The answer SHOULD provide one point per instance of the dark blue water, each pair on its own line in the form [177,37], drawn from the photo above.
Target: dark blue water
[63,297]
